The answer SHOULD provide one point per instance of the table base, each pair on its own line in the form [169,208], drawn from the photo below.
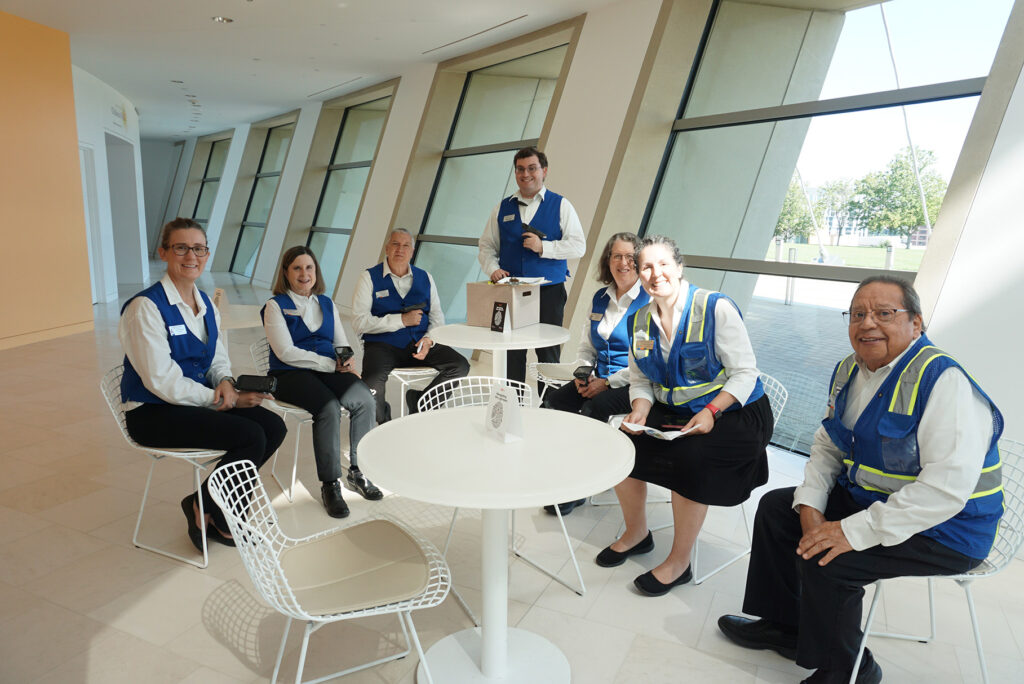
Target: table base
[531,659]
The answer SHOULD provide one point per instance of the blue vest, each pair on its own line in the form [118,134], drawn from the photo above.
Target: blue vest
[613,353]
[392,303]
[512,257]
[693,375]
[192,355]
[320,340]
[882,452]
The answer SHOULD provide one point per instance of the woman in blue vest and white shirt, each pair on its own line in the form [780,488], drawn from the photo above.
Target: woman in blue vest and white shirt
[303,328]
[691,367]
[604,343]
[177,384]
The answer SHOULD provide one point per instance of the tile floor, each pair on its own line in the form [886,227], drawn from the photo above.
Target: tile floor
[80,604]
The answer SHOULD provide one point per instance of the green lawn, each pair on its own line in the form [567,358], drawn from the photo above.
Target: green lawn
[865,257]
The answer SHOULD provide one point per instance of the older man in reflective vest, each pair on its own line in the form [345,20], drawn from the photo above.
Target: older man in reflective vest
[903,479]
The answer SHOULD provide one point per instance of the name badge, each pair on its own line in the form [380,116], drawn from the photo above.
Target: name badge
[381,294]
[644,345]
[178,329]
[596,317]
[507,218]
[290,312]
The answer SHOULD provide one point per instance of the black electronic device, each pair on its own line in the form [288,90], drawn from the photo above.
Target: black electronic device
[583,373]
[412,307]
[527,228]
[344,353]
[265,384]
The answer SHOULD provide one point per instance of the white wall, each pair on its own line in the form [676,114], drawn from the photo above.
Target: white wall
[160,161]
[101,110]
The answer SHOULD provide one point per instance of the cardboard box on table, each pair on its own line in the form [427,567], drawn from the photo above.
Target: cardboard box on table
[523,304]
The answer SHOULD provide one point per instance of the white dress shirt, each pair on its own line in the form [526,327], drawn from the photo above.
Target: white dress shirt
[143,336]
[362,301]
[280,339]
[952,438]
[732,347]
[613,314]
[572,245]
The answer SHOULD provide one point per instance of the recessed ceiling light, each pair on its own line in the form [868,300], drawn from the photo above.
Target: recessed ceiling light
[222,20]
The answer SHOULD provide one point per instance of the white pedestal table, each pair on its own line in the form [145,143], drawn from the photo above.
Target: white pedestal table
[465,336]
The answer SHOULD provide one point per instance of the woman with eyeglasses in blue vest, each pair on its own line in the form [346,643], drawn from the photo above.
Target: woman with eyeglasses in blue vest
[692,369]
[177,384]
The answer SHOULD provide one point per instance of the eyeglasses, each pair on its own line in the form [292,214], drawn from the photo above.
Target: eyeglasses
[198,250]
[880,315]
[533,168]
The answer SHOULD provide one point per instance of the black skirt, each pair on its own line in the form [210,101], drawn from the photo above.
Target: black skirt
[720,468]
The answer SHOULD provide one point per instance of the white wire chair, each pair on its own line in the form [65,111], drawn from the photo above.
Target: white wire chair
[373,567]
[1009,538]
[260,351]
[406,377]
[551,375]
[777,396]
[199,459]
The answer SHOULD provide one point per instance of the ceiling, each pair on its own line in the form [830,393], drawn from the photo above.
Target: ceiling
[188,75]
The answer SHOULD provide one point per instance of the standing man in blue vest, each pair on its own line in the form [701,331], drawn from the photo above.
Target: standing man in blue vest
[903,480]
[394,308]
[507,249]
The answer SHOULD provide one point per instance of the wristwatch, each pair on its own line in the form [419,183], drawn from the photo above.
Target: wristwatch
[229,379]
[716,412]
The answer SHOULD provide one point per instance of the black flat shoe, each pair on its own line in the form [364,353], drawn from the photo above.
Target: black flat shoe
[648,584]
[565,508]
[760,634]
[869,673]
[358,483]
[213,534]
[194,533]
[330,494]
[611,559]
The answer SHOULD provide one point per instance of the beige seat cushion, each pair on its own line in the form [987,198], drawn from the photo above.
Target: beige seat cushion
[363,566]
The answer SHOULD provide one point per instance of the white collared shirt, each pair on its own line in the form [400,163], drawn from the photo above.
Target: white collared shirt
[143,336]
[732,347]
[952,437]
[613,314]
[362,300]
[572,245]
[280,339]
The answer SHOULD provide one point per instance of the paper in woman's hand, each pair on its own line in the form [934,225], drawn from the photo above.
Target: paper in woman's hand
[618,421]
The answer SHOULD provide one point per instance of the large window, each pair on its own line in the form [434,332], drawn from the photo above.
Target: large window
[211,180]
[344,184]
[813,149]
[503,109]
[261,199]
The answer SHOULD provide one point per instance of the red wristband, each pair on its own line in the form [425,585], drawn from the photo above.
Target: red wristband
[715,411]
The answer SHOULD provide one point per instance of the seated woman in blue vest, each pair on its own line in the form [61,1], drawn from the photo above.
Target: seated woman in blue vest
[691,368]
[177,384]
[303,328]
[604,343]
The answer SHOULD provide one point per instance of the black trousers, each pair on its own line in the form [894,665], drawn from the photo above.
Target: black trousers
[246,434]
[380,358]
[612,401]
[825,603]
[324,395]
[552,308]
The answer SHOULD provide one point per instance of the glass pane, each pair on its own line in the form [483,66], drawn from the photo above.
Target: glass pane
[262,199]
[329,249]
[469,190]
[764,56]
[363,125]
[204,205]
[277,148]
[508,101]
[452,267]
[218,155]
[249,240]
[859,194]
[341,198]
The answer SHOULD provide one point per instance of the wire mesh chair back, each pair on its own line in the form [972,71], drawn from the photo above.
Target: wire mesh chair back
[260,352]
[238,490]
[111,388]
[777,395]
[1010,535]
[473,390]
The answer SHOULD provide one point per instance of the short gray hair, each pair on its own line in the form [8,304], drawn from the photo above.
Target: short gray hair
[911,300]
[400,230]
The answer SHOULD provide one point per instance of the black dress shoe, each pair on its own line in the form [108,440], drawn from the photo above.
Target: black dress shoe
[610,559]
[330,493]
[565,508]
[868,673]
[759,634]
[357,482]
[650,585]
[412,400]
[213,534]
[195,534]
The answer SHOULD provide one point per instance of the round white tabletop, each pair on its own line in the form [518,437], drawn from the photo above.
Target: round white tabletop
[478,337]
[447,457]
